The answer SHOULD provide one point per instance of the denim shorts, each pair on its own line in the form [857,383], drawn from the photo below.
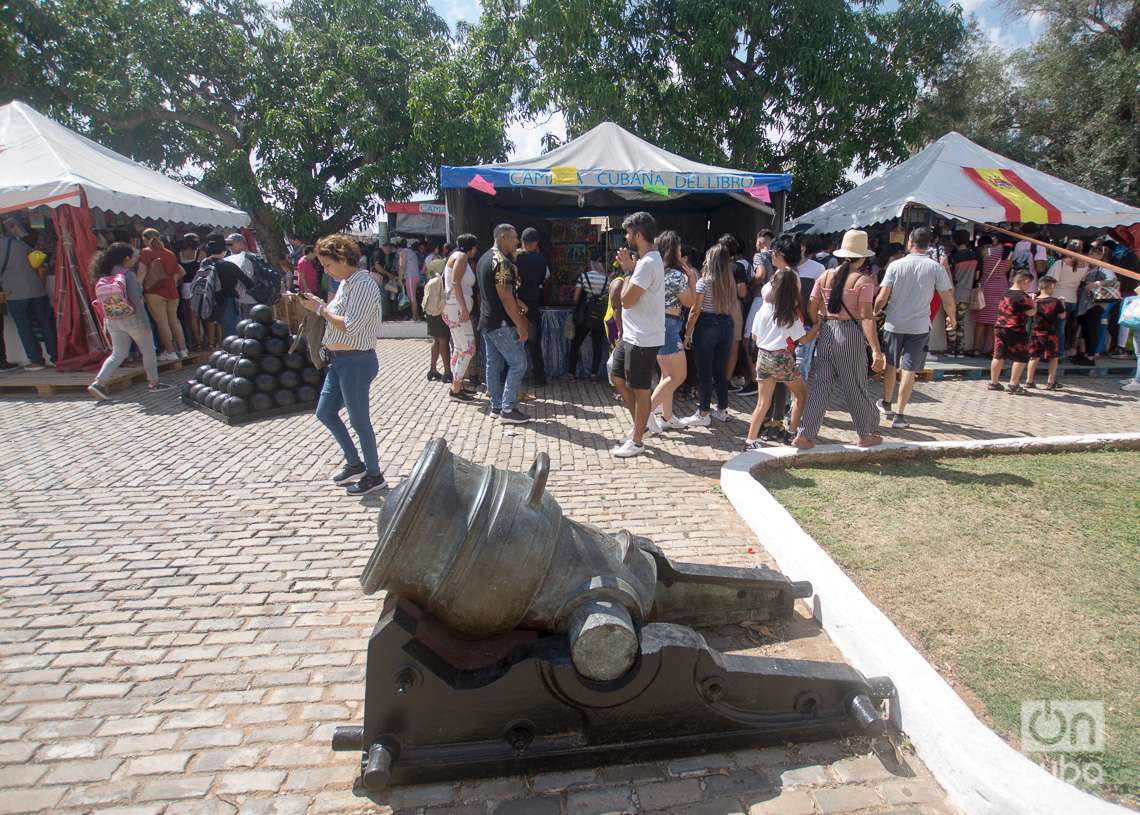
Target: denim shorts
[672,337]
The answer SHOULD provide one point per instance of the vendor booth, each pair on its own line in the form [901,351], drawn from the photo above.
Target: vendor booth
[954,184]
[69,195]
[577,195]
[416,219]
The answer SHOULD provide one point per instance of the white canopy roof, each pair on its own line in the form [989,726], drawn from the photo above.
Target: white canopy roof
[935,179]
[42,163]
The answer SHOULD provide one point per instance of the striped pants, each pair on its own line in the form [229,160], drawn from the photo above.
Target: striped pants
[840,364]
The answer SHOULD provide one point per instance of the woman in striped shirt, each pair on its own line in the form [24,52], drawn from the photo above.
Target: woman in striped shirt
[352,320]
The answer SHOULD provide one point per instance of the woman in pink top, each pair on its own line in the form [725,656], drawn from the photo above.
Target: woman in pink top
[841,303]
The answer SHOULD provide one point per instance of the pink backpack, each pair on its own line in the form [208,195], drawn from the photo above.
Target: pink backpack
[111,298]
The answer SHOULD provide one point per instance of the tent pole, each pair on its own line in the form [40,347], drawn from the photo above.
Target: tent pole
[1067,252]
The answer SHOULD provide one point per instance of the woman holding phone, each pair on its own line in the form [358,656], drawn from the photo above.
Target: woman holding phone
[352,320]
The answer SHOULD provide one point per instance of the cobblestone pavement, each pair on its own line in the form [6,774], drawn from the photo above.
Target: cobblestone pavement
[182,624]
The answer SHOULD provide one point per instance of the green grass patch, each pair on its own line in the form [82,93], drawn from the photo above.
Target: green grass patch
[1017,576]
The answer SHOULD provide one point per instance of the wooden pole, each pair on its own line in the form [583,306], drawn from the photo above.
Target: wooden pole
[1061,250]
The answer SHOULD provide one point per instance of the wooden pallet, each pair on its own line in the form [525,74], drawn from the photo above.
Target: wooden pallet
[282,410]
[52,383]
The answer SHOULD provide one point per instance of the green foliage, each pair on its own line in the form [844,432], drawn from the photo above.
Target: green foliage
[810,87]
[304,115]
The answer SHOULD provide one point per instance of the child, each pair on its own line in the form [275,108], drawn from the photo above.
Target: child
[1045,340]
[777,330]
[1011,333]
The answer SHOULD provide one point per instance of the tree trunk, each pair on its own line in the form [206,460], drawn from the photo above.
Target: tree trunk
[271,240]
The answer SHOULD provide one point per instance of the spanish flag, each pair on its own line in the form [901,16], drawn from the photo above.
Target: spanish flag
[1022,203]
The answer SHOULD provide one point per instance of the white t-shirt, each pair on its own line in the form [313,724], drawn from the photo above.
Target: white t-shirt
[1069,279]
[771,336]
[242,262]
[643,324]
[810,269]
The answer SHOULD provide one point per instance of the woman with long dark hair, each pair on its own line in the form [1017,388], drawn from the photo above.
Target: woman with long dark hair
[842,302]
[680,292]
[120,303]
[777,330]
[710,333]
[459,287]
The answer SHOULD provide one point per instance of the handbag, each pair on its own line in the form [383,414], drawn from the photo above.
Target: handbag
[977,297]
[1130,313]
[1109,291]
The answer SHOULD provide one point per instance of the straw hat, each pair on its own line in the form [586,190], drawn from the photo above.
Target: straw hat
[854,245]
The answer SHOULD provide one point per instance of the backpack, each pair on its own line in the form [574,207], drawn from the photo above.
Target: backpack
[266,280]
[111,300]
[593,305]
[433,296]
[204,291]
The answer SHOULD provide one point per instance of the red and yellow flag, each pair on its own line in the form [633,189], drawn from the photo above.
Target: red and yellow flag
[1021,202]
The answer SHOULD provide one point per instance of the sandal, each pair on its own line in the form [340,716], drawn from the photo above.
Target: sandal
[996,386]
[1053,386]
[1031,386]
[1017,390]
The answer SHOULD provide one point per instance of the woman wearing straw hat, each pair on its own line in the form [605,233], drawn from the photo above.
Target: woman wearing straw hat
[842,303]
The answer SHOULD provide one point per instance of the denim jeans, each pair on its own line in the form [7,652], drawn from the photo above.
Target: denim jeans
[29,314]
[712,340]
[804,353]
[347,380]
[230,317]
[503,348]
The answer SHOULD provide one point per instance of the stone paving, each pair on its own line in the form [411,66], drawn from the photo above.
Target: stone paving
[182,624]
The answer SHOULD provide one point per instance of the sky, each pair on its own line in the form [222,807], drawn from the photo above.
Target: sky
[1004,31]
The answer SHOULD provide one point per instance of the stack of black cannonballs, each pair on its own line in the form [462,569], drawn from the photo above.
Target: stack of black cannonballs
[255,372]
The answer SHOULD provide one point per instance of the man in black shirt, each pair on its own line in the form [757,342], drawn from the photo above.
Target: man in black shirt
[229,275]
[503,323]
[533,272]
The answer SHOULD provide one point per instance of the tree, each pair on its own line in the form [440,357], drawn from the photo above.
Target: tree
[306,115]
[1067,104]
[812,87]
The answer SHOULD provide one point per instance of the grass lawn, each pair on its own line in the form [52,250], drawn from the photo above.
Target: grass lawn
[1017,576]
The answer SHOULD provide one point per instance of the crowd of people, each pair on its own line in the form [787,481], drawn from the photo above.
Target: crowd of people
[801,317]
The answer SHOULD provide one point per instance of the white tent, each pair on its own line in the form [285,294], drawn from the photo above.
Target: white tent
[42,163]
[939,178]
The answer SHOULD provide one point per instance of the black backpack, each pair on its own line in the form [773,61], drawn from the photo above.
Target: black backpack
[266,280]
[204,291]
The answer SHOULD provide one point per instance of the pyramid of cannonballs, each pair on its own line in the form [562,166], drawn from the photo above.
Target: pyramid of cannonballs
[255,373]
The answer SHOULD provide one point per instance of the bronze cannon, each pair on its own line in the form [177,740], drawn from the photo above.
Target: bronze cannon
[514,639]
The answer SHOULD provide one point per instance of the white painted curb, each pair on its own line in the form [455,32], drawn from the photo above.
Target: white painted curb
[982,775]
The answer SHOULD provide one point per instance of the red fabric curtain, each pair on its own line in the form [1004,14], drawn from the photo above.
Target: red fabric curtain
[250,241]
[77,332]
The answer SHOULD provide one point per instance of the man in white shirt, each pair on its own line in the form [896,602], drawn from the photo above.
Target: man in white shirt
[643,326]
[235,242]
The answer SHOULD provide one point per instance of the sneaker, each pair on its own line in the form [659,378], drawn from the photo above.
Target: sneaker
[1126,380]
[628,449]
[447,379]
[899,423]
[34,366]
[748,390]
[434,376]
[697,420]
[12,366]
[1131,387]
[1083,360]
[513,416]
[347,473]
[50,363]
[671,424]
[885,408]
[184,354]
[721,415]
[462,396]
[754,445]
[654,425]
[99,392]
[158,387]
[167,356]
[367,484]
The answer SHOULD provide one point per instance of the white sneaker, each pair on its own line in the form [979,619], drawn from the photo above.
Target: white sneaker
[1126,381]
[167,356]
[654,424]
[1132,387]
[628,449]
[671,424]
[720,415]
[696,420]
[183,354]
